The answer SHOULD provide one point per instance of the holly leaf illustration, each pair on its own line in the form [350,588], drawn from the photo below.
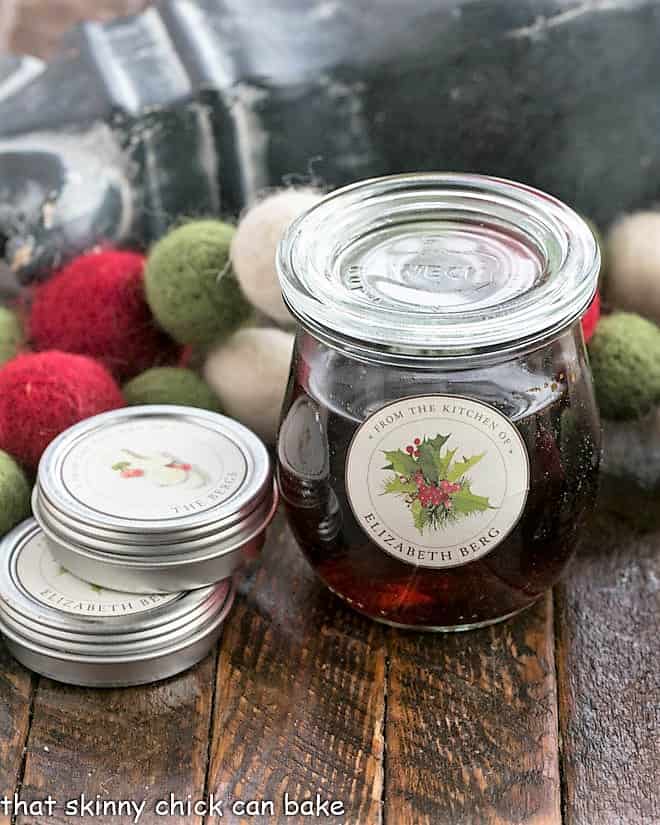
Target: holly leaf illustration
[420,515]
[461,467]
[395,485]
[402,463]
[438,442]
[121,465]
[427,463]
[466,502]
[443,462]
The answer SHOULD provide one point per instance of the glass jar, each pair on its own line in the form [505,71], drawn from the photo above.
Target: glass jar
[440,441]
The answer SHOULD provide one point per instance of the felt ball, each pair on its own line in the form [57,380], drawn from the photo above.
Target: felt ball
[625,361]
[254,248]
[191,287]
[14,494]
[170,385]
[96,306]
[632,280]
[249,373]
[11,334]
[44,393]
[590,318]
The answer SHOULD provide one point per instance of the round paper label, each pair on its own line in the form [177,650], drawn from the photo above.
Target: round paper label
[45,580]
[154,469]
[437,480]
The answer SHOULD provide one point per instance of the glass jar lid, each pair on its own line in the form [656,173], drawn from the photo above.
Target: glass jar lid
[438,264]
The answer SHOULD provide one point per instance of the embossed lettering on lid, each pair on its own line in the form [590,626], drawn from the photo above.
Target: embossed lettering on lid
[445,263]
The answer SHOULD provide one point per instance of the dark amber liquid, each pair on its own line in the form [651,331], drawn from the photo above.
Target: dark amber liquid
[561,433]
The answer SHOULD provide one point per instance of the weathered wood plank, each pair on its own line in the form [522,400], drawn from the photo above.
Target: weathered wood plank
[16,687]
[472,726]
[122,745]
[608,621]
[300,696]
[39,24]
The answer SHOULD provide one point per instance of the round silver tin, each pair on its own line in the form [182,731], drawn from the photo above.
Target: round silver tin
[155,499]
[78,633]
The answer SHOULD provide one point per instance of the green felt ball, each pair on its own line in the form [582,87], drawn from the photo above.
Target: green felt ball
[14,494]
[190,286]
[625,360]
[11,334]
[170,385]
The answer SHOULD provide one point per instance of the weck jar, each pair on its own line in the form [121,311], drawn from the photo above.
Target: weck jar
[439,444]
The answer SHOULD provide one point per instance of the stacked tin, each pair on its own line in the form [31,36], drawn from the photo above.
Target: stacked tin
[142,518]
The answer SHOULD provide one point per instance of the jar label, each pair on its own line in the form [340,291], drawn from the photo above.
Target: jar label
[45,580]
[437,480]
[156,468]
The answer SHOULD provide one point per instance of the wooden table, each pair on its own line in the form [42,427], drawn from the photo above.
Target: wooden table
[549,718]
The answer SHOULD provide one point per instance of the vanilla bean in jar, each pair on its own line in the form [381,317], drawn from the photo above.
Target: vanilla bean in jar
[439,445]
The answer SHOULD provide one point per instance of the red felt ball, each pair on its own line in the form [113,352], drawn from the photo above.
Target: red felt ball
[96,306]
[591,317]
[44,393]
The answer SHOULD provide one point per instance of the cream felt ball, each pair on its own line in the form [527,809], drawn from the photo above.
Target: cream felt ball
[632,279]
[14,494]
[254,248]
[249,374]
[190,286]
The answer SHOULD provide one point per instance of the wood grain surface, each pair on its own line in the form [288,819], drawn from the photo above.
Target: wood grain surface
[472,725]
[300,697]
[137,744]
[308,697]
[16,688]
[608,620]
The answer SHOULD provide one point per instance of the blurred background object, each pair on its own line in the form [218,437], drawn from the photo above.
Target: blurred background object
[36,26]
[196,106]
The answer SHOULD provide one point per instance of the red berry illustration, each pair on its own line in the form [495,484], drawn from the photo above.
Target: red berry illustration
[177,465]
[128,473]
[431,505]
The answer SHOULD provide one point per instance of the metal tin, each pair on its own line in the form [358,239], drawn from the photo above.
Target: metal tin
[155,499]
[78,633]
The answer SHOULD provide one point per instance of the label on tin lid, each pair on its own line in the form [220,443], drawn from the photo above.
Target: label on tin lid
[437,481]
[155,468]
[45,580]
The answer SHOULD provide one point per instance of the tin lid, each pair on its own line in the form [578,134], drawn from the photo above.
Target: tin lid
[438,264]
[44,609]
[154,548]
[154,475]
